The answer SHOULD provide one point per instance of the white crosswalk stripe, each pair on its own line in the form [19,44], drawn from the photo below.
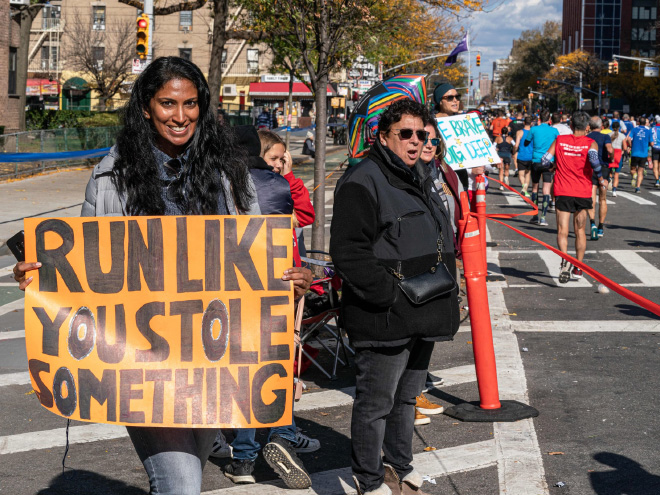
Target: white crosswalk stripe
[635,198]
[552,262]
[647,274]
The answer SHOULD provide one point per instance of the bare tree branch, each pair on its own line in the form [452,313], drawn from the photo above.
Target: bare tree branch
[104,55]
[171,9]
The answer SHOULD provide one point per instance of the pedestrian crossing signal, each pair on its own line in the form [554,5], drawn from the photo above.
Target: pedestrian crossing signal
[142,44]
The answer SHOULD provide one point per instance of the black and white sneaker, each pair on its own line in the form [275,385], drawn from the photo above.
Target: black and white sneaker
[281,456]
[240,471]
[221,449]
[433,381]
[564,272]
[305,444]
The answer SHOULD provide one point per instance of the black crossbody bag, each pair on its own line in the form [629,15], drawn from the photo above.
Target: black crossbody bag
[435,282]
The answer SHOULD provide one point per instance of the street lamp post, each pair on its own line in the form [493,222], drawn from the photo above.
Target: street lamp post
[574,70]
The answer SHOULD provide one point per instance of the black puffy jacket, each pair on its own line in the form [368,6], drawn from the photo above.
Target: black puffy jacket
[381,222]
[273,192]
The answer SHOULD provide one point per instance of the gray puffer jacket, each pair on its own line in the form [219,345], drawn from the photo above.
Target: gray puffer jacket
[103,200]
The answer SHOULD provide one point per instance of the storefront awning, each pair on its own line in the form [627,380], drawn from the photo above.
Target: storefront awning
[281,89]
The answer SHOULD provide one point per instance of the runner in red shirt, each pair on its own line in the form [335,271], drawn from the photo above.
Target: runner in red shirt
[576,158]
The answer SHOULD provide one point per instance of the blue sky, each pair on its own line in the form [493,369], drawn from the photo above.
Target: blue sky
[492,32]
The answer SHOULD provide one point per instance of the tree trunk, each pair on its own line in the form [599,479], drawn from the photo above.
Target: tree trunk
[220,13]
[289,113]
[318,229]
[26,17]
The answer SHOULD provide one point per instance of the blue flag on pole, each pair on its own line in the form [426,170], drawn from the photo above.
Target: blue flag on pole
[463,46]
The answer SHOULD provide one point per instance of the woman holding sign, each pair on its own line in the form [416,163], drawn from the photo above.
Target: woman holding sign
[171,158]
[388,229]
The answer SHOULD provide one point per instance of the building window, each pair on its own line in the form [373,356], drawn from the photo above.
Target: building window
[253,61]
[185,20]
[13,57]
[186,53]
[98,17]
[50,16]
[223,60]
[98,54]
[49,57]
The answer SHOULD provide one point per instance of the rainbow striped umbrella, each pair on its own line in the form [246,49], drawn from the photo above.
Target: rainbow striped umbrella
[363,122]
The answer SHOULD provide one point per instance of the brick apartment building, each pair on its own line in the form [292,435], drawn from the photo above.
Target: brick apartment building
[9,38]
[610,27]
[53,84]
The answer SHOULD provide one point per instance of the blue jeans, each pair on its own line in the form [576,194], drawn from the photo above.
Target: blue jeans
[245,447]
[387,381]
[173,457]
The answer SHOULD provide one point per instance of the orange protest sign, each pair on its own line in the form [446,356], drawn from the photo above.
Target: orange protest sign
[162,321]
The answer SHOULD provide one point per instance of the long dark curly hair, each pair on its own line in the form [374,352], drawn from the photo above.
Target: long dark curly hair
[212,151]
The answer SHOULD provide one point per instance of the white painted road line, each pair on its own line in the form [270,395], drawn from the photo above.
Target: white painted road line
[441,462]
[48,439]
[22,378]
[514,200]
[624,326]
[655,193]
[12,306]
[14,334]
[648,274]
[6,270]
[635,198]
[519,462]
[552,262]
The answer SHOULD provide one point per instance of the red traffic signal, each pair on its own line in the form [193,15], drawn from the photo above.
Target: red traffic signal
[478,60]
[142,42]
[538,82]
[603,93]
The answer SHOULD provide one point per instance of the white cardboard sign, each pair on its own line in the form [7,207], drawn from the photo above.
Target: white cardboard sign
[467,142]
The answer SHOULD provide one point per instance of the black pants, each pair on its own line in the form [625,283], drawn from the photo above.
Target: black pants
[388,379]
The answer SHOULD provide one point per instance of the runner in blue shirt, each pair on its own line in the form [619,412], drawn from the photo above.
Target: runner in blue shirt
[628,123]
[640,139]
[617,118]
[541,138]
[655,152]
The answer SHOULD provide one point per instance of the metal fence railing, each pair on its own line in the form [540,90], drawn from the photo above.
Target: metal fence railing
[53,141]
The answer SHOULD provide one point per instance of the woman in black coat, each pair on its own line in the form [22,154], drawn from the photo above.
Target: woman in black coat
[387,223]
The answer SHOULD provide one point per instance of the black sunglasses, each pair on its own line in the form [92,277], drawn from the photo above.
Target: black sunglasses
[451,97]
[434,141]
[407,134]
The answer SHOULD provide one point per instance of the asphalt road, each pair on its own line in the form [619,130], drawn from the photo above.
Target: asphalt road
[585,360]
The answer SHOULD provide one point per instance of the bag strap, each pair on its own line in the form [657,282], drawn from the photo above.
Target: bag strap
[296,330]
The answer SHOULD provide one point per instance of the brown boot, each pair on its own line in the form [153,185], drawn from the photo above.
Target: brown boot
[411,484]
[392,480]
[383,489]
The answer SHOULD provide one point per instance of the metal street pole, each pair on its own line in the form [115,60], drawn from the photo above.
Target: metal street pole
[149,11]
[580,102]
[469,71]
[600,95]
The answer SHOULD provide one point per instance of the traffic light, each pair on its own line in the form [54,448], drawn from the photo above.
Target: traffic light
[616,67]
[603,93]
[538,82]
[478,59]
[142,44]
[610,68]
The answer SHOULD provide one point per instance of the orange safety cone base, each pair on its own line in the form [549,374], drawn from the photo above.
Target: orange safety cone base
[510,411]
